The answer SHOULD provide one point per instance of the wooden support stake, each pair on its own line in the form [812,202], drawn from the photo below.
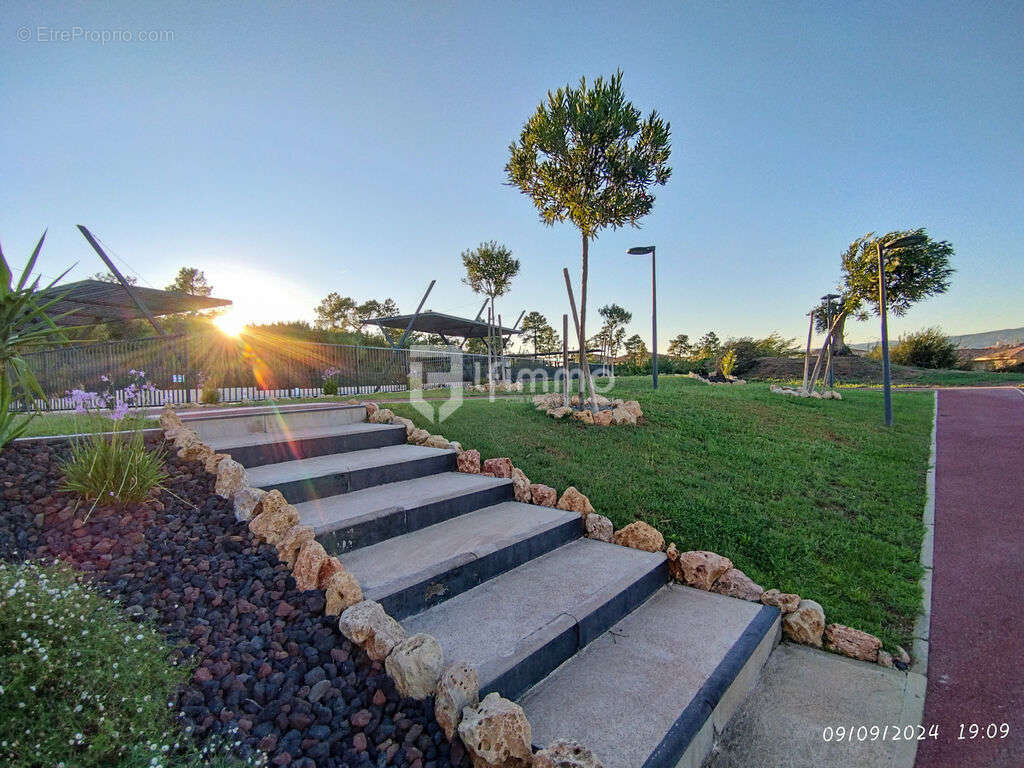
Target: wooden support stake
[565,360]
[807,355]
[583,347]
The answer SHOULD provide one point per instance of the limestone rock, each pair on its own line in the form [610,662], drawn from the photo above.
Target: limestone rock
[603,418]
[499,467]
[407,423]
[633,407]
[852,642]
[248,502]
[418,436]
[543,495]
[231,478]
[184,435]
[675,567]
[416,664]
[598,527]
[701,569]
[640,535]
[193,449]
[784,601]
[306,569]
[371,409]
[292,541]
[457,689]
[885,659]
[566,754]
[521,486]
[213,461]
[455,445]
[468,462]
[276,518]
[559,412]
[342,591]
[497,734]
[806,624]
[437,441]
[168,417]
[329,567]
[900,656]
[623,415]
[367,625]
[381,416]
[574,501]
[735,583]
[586,416]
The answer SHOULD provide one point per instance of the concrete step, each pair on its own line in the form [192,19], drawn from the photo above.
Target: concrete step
[518,627]
[259,448]
[656,689]
[409,573]
[214,423]
[321,476]
[361,518]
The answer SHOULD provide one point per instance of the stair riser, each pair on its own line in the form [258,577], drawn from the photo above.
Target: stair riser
[271,453]
[537,665]
[418,597]
[355,480]
[219,427]
[399,521]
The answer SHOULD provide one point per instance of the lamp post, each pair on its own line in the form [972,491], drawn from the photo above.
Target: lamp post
[828,298]
[643,251]
[899,242]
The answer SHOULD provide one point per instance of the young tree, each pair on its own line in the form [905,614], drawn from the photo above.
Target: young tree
[680,346]
[108,277]
[372,309]
[539,333]
[335,313]
[708,345]
[636,350]
[615,320]
[490,269]
[191,281]
[587,156]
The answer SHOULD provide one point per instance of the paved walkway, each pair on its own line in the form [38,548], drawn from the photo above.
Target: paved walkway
[976,653]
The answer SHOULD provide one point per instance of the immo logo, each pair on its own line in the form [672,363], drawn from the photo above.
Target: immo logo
[430,370]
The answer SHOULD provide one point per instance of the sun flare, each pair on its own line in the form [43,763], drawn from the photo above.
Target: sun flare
[230,323]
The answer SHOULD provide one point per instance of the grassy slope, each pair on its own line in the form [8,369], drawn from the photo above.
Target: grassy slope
[71,424]
[813,497]
[855,370]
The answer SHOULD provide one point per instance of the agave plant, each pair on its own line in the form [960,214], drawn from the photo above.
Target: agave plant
[25,324]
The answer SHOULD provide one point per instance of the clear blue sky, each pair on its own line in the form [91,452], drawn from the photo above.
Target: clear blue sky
[359,147]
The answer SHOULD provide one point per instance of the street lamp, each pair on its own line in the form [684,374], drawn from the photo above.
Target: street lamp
[828,298]
[907,241]
[643,250]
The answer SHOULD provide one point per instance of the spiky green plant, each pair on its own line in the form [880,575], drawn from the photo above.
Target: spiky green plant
[109,468]
[25,324]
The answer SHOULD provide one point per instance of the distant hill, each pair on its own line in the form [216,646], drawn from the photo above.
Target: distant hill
[971,340]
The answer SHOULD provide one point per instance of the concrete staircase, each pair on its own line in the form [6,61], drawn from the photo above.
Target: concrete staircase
[590,638]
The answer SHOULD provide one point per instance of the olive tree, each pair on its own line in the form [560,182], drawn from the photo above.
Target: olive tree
[587,156]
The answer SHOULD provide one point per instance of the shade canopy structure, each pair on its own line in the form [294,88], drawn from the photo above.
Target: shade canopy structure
[443,325]
[89,302]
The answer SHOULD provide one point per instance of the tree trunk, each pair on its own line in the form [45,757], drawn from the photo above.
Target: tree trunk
[583,323]
[821,352]
[837,336]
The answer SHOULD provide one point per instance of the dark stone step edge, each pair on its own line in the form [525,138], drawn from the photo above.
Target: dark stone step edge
[309,447]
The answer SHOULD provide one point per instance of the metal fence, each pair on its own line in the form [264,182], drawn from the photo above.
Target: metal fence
[261,367]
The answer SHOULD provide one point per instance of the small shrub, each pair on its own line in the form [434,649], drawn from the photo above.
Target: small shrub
[209,395]
[728,362]
[330,383]
[113,468]
[928,348]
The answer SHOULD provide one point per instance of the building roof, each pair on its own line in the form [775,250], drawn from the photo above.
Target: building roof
[440,323]
[88,302]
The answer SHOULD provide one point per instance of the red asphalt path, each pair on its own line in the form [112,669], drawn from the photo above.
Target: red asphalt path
[976,645]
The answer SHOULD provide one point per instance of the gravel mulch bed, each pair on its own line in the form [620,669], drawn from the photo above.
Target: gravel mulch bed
[269,662]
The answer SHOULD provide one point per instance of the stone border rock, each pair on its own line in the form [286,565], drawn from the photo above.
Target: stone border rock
[611,412]
[705,380]
[828,394]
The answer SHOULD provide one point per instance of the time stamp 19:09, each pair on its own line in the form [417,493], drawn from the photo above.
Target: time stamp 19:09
[966,732]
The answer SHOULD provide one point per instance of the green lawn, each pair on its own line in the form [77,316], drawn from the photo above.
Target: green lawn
[808,496]
[71,424]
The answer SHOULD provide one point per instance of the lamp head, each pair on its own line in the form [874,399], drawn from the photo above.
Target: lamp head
[641,250]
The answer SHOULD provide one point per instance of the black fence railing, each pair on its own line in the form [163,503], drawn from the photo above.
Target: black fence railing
[182,367]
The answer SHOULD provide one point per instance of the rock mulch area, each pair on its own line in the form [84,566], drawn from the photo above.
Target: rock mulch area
[598,411]
[271,667]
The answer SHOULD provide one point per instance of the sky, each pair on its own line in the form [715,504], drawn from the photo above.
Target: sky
[290,150]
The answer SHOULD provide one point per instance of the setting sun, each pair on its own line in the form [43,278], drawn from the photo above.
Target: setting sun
[230,322]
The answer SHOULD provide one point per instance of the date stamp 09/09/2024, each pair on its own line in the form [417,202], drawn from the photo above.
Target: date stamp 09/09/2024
[965,732]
